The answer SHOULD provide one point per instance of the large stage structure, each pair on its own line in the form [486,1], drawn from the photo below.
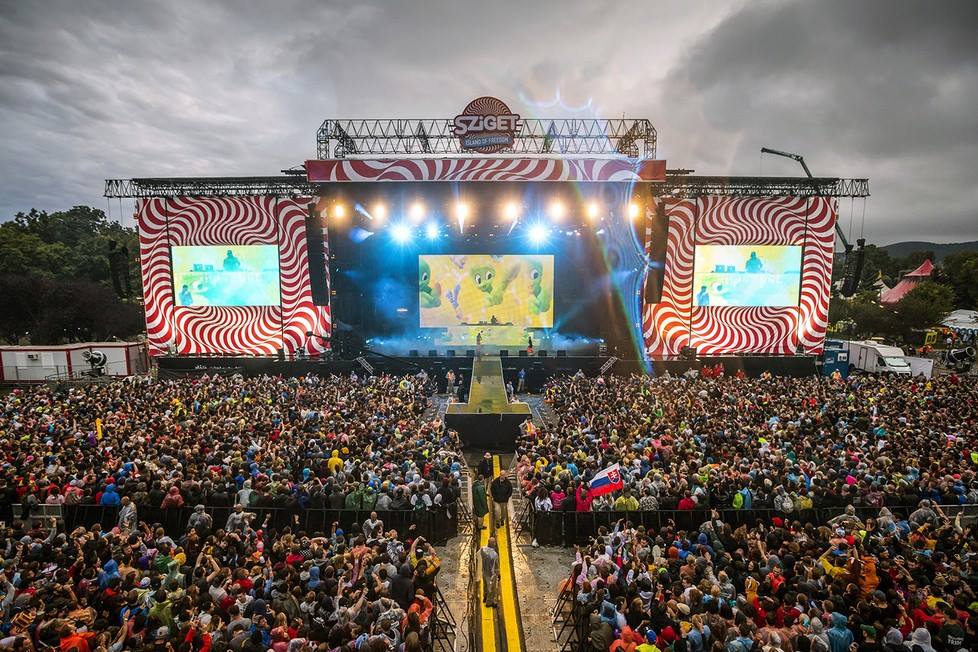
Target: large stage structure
[667,245]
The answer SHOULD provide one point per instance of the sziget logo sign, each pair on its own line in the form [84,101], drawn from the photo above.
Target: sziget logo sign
[486,125]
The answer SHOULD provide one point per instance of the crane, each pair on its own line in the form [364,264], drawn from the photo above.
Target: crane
[851,273]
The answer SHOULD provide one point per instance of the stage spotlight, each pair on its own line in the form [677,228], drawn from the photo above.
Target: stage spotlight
[557,210]
[461,214]
[538,234]
[512,211]
[432,231]
[379,213]
[416,212]
[593,210]
[633,210]
[339,211]
[401,233]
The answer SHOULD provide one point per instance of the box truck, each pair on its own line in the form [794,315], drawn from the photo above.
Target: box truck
[874,358]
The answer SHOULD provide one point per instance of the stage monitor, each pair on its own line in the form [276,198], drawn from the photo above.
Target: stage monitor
[500,291]
[225,275]
[746,275]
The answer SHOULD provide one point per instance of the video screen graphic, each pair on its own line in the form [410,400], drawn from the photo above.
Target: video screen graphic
[514,291]
[746,275]
[225,275]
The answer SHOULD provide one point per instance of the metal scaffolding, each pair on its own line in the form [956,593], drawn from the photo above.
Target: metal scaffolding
[675,185]
[634,138]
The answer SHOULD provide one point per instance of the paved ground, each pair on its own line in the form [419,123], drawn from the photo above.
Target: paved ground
[538,573]
[453,580]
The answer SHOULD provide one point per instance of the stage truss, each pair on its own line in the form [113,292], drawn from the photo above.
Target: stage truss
[675,185]
[633,138]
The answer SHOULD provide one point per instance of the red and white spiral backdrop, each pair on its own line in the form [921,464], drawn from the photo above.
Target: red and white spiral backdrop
[675,322]
[244,330]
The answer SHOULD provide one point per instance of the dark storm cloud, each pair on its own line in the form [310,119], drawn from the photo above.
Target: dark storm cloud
[90,90]
[879,89]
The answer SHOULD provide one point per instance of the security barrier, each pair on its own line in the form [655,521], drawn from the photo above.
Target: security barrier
[436,525]
[566,528]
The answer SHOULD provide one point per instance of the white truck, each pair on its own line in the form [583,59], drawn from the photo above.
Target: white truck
[874,358]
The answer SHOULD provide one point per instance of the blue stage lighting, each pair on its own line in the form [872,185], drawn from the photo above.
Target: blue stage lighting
[538,234]
[401,233]
[432,231]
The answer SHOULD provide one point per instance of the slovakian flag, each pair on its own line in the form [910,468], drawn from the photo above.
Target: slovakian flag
[604,482]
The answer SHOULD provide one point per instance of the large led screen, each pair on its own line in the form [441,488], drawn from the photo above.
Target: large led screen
[746,275]
[225,275]
[484,290]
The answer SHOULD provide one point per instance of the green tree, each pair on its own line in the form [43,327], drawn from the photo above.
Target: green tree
[961,271]
[56,280]
[871,319]
[71,244]
[875,262]
[922,307]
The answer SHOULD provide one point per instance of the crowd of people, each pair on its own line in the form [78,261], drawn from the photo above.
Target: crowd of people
[883,585]
[306,443]
[789,444]
[905,579]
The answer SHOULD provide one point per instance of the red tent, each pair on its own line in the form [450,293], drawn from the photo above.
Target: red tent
[909,281]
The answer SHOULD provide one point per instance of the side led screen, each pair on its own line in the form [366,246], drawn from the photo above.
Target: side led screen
[225,275]
[746,275]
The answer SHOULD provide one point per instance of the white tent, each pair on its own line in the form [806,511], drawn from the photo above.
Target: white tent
[962,320]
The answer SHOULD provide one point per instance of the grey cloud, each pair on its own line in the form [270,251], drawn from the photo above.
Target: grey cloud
[103,89]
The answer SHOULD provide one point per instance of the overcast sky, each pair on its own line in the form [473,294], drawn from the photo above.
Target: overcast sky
[886,90]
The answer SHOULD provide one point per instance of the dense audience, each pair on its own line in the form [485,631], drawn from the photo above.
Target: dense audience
[789,444]
[242,585]
[786,584]
[848,586]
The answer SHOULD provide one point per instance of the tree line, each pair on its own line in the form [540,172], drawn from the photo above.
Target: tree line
[56,278]
[953,285]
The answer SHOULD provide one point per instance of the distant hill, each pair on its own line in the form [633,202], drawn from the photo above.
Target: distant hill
[901,249]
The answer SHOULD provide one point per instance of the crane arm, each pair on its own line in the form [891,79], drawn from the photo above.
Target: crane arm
[801,160]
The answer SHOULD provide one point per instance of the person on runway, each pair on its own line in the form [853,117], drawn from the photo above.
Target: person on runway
[521,381]
[489,560]
[450,380]
[480,503]
[501,489]
[485,466]
[478,344]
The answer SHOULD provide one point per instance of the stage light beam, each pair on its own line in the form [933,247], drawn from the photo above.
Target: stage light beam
[557,210]
[511,211]
[593,210]
[379,213]
[432,231]
[401,233]
[633,210]
[417,212]
[538,234]
[339,211]
[461,214]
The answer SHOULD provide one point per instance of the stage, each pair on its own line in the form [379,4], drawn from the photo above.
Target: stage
[538,369]
[487,420]
[563,245]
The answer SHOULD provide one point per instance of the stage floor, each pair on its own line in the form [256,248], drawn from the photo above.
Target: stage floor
[487,421]
[487,391]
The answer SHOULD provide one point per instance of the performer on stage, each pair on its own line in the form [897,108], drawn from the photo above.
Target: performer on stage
[478,344]
[529,345]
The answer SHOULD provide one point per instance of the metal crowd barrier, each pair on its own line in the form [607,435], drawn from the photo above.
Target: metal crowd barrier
[566,528]
[436,525]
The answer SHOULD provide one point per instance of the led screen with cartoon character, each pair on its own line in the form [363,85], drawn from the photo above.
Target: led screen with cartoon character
[486,290]
[746,275]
